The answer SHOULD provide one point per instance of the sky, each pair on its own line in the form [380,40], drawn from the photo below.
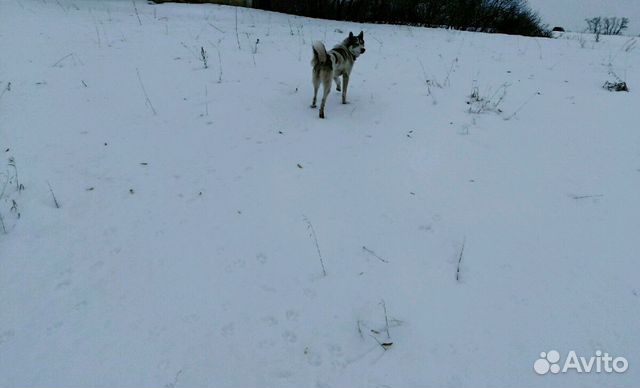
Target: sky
[570,14]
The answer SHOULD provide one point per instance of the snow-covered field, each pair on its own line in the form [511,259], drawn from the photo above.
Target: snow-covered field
[186,249]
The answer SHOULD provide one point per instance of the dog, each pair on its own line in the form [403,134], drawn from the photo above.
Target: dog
[333,64]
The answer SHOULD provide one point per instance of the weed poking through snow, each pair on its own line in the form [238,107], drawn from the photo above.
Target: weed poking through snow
[203,57]
[491,102]
[312,235]
[9,192]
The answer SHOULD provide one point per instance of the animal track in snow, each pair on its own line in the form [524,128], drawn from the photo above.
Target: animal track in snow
[262,258]
[290,336]
[228,329]
[292,315]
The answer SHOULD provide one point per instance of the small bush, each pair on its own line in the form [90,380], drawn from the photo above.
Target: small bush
[617,86]
[490,102]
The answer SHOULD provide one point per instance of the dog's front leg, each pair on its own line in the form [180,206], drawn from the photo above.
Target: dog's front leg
[345,85]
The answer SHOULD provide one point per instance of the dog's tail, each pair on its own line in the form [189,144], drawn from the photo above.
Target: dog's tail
[319,53]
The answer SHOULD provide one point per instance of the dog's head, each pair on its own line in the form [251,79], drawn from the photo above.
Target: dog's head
[355,44]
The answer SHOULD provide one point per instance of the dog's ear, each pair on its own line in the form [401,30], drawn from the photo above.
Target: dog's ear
[361,36]
[350,34]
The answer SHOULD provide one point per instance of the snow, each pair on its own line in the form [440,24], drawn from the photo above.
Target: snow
[184,251]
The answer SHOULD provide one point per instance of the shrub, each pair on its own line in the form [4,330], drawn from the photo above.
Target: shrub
[502,16]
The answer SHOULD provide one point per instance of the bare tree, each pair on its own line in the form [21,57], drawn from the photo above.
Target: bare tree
[606,26]
[594,26]
[614,25]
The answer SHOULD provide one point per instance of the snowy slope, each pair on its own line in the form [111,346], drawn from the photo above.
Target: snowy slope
[184,251]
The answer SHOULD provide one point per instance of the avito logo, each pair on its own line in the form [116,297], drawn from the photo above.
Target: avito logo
[549,362]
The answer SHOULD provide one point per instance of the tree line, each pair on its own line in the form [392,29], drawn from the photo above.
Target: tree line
[499,16]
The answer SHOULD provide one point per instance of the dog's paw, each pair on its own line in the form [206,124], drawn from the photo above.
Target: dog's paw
[322,115]
[345,102]
[338,88]
[313,106]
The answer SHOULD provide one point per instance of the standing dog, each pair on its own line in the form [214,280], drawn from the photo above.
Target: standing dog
[333,64]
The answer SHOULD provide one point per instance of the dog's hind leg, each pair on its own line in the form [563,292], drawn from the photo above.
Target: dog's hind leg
[316,85]
[345,81]
[326,89]
[337,79]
